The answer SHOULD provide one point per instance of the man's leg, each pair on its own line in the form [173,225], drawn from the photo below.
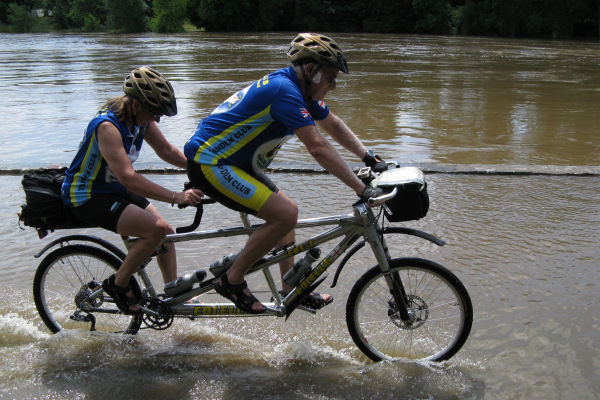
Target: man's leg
[288,263]
[280,215]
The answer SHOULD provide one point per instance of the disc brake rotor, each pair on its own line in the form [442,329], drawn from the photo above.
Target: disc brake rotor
[418,312]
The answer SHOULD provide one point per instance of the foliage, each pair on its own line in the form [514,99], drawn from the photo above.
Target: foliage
[126,16]
[87,15]
[168,16]
[514,18]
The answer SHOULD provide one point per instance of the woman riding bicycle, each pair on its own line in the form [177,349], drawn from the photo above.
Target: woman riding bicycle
[104,190]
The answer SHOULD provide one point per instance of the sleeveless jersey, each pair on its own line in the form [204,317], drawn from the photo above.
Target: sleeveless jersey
[89,173]
[248,128]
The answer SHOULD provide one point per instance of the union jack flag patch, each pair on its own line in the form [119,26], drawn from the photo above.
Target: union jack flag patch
[322,104]
[305,113]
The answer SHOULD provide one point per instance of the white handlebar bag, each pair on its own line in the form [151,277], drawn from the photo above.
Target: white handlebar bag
[412,200]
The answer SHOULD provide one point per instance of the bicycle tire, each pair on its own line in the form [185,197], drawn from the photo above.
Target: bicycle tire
[440,305]
[62,275]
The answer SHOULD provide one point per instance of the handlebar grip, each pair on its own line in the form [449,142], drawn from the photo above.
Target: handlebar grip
[375,201]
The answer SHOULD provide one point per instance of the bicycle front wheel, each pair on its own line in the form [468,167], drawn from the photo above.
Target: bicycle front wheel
[62,284]
[439,307]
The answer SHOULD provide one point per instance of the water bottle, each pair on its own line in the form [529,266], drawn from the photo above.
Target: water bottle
[221,265]
[302,266]
[184,283]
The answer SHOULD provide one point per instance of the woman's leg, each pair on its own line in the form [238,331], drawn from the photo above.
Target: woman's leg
[150,228]
[167,262]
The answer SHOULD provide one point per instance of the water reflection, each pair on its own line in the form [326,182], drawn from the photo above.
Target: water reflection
[434,99]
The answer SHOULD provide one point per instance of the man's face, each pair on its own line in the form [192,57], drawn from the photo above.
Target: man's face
[322,81]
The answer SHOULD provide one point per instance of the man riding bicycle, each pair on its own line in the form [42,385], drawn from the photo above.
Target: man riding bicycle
[232,147]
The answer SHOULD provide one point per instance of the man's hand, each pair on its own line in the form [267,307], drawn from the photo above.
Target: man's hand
[370,192]
[375,162]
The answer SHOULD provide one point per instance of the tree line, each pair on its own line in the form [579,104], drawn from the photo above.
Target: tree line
[562,19]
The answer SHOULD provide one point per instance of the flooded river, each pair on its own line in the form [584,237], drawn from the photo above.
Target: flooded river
[526,247]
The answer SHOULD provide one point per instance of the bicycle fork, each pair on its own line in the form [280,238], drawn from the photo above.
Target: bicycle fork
[382,255]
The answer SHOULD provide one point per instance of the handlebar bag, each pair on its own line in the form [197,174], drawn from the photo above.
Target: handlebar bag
[43,208]
[412,200]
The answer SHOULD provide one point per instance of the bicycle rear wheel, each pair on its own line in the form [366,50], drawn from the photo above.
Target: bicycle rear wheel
[439,305]
[61,286]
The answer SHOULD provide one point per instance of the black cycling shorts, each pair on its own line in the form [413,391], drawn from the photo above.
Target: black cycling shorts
[104,210]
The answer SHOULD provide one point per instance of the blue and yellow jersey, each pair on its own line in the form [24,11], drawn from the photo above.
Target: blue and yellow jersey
[89,173]
[248,128]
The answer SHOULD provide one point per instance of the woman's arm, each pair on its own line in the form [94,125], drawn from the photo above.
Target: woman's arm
[111,148]
[163,148]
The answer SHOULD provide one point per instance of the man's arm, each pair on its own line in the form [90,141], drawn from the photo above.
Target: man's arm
[342,134]
[328,157]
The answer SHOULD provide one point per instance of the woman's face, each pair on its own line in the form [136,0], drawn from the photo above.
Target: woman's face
[143,116]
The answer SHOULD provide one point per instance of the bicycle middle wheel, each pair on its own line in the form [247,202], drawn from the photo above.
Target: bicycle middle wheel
[61,286]
[439,305]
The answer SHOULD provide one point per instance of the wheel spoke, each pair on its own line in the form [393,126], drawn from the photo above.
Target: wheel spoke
[63,276]
[439,309]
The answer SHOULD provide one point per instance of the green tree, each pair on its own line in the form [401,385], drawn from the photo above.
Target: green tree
[168,16]
[432,16]
[126,15]
[19,18]
[59,9]
[388,16]
[235,16]
[87,15]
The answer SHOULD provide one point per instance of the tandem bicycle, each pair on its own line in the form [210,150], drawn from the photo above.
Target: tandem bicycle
[401,308]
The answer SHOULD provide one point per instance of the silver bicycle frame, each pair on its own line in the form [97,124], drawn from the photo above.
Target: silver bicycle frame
[362,223]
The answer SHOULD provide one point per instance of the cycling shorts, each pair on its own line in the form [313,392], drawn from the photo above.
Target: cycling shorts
[232,186]
[104,210]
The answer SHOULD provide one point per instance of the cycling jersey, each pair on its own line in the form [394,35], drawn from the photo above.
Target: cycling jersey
[248,128]
[239,139]
[89,173]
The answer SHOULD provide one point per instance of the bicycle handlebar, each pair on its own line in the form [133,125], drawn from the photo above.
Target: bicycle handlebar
[375,201]
[197,217]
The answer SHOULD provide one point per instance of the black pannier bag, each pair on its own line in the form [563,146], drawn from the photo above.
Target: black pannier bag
[412,201]
[43,208]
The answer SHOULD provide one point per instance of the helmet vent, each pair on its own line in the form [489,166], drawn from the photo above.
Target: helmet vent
[152,90]
[309,47]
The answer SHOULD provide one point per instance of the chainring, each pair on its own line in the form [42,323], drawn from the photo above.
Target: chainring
[161,318]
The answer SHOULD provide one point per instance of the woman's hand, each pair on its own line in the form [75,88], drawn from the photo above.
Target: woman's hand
[190,196]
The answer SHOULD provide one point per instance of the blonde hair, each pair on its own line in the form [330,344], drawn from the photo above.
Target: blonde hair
[121,106]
